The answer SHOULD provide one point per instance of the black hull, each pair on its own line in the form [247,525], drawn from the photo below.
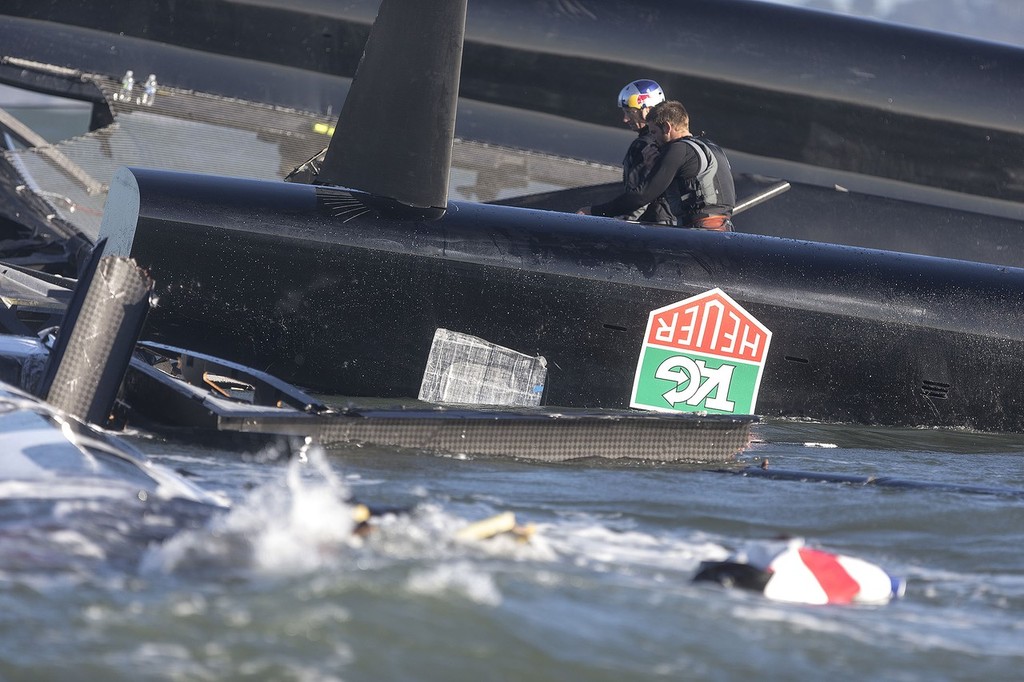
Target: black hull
[263,274]
[926,225]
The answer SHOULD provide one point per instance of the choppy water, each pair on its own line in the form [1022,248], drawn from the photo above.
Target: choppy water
[278,588]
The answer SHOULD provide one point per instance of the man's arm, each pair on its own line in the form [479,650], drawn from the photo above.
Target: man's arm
[670,159]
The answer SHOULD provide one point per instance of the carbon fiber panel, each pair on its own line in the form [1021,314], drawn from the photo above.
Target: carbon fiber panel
[552,437]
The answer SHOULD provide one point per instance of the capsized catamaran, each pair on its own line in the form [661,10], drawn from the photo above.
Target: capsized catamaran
[92,367]
[288,278]
[341,286]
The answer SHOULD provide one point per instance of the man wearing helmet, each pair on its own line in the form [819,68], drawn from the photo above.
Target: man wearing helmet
[691,173]
[635,100]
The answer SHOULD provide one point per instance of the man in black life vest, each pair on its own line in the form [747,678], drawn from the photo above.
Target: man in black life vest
[692,173]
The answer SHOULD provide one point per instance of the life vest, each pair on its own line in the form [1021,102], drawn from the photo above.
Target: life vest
[712,191]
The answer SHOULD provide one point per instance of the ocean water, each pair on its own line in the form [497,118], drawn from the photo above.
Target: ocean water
[280,588]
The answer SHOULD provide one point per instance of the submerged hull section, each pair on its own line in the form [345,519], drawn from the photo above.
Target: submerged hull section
[334,292]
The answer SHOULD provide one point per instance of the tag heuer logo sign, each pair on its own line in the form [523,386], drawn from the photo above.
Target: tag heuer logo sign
[704,354]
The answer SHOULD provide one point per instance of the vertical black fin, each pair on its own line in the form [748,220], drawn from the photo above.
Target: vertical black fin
[394,135]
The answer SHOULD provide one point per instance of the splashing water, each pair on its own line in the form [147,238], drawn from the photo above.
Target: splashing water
[294,525]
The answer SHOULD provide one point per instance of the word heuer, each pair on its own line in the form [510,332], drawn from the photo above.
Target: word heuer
[703,354]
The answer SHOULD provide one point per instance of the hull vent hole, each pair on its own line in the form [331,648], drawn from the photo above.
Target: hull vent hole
[935,389]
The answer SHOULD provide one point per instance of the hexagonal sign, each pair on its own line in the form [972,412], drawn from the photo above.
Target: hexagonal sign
[704,354]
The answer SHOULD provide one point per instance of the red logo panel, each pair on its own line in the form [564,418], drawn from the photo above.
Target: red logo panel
[710,323]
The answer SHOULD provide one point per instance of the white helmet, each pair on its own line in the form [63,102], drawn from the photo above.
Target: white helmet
[641,94]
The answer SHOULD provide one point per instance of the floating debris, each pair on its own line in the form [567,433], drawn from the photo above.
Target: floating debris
[494,526]
[789,571]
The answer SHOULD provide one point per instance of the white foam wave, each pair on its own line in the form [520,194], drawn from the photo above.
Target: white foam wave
[602,548]
[296,525]
[462,578]
[300,522]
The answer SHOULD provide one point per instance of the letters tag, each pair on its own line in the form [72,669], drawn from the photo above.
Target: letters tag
[703,354]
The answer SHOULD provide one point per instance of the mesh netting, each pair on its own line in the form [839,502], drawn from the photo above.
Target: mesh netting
[548,437]
[188,131]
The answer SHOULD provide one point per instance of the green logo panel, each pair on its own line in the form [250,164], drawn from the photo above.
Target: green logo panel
[688,382]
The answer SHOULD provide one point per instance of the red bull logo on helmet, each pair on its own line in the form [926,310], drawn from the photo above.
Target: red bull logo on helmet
[641,94]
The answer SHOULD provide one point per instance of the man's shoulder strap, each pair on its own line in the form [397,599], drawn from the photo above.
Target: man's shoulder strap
[704,152]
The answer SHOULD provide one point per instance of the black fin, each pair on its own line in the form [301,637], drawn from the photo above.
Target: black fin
[394,135]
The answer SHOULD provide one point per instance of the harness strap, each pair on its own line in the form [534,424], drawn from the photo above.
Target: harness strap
[718,223]
[702,152]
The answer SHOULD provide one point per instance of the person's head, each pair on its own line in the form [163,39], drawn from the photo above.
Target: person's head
[669,121]
[636,99]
